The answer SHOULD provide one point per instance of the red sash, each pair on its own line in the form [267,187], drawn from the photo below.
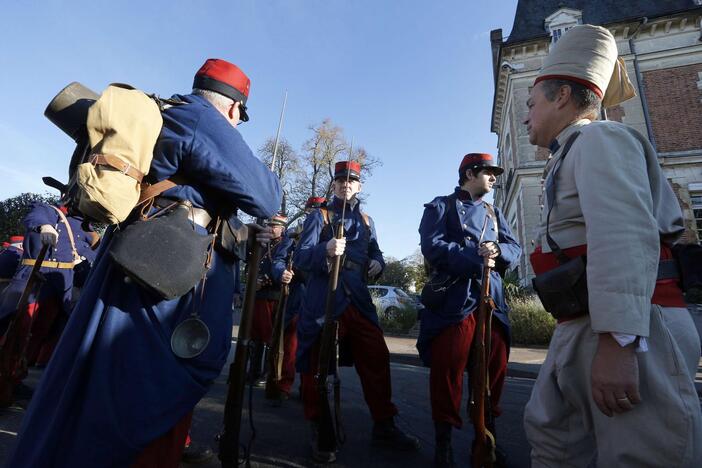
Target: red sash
[666,294]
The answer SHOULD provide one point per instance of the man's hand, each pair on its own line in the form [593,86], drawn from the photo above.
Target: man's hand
[615,376]
[374,268]
[336,247]
[264,235]
[48,235]
[489,249]
[287,277]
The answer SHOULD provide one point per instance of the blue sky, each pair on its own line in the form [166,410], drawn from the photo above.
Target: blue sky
[409,80]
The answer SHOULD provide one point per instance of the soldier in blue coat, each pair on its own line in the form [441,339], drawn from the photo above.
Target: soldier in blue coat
[70,240]
[459,233]
[267,296]
[361,339]
[295,277]
[10,257]
[115,394]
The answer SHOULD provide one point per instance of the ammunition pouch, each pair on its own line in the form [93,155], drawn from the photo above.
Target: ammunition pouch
[361,268]
[164,254]
[435,290]
[231,239]
[563,290]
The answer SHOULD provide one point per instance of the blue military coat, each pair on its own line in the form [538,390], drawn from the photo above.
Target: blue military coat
[9,260]
[271,290]
[310,255]
[450,230]
[297,289]
[113,384]
[59,281]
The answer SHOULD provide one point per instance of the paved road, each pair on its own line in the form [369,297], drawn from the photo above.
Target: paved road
[282,436]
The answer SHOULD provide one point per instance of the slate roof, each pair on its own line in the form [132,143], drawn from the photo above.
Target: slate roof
[530,15]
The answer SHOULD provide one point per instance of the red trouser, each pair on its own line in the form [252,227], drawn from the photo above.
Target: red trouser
[167,450]
[449,357]
[289,350]
[371,359]
[262,324]
[38,323]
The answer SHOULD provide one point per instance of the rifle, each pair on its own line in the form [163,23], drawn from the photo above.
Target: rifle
[329,431]
[13,359]
[483,453]
[275,357]
[229,439]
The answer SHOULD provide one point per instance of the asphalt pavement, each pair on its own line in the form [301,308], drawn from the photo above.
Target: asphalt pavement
[282,437]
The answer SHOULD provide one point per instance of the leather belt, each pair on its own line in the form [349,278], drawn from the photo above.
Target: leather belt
[198,216]
[99,159]
[48,264]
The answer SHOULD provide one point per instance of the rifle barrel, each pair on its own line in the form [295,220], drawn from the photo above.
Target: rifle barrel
[229,440]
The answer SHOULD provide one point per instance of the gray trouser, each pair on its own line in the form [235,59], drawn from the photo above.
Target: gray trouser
[565,427]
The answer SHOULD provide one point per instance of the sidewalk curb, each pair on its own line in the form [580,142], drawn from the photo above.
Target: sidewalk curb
[513,369]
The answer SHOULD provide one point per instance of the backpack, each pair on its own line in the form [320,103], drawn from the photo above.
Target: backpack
[118,132]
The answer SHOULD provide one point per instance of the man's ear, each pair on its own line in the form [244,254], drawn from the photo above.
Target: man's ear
[563,96]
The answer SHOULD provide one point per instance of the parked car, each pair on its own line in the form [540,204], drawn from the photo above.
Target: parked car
[390,299]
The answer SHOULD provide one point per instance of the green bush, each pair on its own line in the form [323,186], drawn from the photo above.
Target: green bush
[531,324]
[399,321]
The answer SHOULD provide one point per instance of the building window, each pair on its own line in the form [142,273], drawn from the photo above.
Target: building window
[696,202]
[561,21]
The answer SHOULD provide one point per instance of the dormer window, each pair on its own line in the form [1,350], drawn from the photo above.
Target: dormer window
[561,21]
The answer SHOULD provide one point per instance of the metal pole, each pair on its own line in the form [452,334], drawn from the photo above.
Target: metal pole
[277,134]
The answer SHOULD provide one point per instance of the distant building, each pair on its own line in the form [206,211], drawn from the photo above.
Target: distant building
[661,43]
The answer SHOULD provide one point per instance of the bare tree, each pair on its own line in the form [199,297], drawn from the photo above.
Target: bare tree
[287,166]
[310,173]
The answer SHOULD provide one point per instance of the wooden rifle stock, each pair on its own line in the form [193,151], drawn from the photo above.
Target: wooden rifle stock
[327,434]
[13,360]
[275,356]
[229,439]
[483,453]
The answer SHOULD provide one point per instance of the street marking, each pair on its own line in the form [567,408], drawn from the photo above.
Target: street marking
[8,432]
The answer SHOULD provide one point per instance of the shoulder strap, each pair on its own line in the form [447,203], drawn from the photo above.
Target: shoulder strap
[70,232]
[493,216]
[551,192]
[325,215]
[366,219]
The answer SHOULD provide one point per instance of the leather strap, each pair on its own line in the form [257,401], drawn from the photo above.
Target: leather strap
[551,193]
[47,264]
[150,191]
[198,216]
[99,159]
[70,233]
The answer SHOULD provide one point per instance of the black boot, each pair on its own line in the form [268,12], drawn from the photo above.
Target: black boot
[256,365]
[195,453]
[443,454]
[386,434]
[319,456]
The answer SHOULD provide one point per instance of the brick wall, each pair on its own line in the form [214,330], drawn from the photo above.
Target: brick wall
[675,107]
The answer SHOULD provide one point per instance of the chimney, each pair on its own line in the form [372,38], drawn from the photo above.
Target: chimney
[496,45]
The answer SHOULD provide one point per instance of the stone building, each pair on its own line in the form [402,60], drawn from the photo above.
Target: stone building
[661,43]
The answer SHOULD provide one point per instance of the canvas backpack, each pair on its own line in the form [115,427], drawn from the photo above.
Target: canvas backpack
[123,126]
